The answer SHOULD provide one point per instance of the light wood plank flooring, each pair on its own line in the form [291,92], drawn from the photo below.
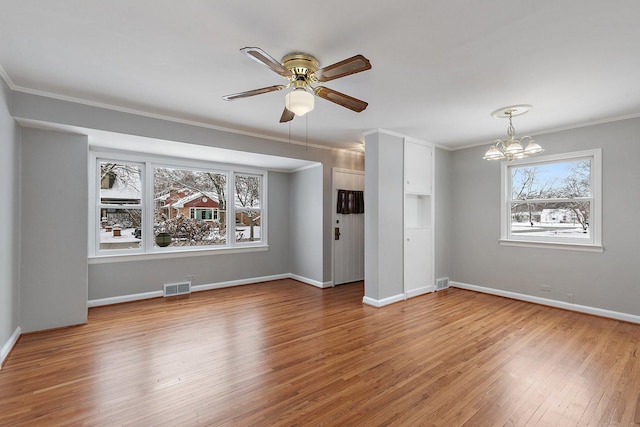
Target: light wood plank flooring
[285,353]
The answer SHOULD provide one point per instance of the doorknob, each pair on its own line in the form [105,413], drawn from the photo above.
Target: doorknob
[336,233]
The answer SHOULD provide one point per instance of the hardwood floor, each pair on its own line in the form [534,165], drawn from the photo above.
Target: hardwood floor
[285,353]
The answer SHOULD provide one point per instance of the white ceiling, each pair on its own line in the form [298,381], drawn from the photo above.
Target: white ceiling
[439,67]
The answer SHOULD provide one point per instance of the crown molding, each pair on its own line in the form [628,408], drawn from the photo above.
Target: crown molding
[142,113]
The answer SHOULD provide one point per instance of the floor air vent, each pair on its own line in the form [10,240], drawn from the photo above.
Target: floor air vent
[442,283]
[171,289]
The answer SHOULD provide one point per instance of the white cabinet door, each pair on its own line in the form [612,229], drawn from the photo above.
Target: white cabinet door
[417,259]
[417,168]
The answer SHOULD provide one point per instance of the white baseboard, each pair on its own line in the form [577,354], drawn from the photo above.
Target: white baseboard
[382,302]
[6,348]
[420,291]
[123,298]
[311,281]
[196,288]
[240,282]
[549,302]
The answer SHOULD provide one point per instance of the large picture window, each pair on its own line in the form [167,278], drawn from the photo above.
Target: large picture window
[553,200]
[184,201]
[144,206]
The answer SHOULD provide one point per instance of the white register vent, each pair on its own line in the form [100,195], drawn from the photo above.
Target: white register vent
[171,289]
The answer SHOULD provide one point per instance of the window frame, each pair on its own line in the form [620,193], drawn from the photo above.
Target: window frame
[594,243]
[147,250]
[259,209]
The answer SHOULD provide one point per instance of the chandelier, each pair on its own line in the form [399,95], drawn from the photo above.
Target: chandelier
[512,147]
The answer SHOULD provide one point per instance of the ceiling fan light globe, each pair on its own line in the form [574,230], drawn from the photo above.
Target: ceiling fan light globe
[299,101]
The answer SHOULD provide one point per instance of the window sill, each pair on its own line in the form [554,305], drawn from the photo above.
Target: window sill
[553,245]
[107,259]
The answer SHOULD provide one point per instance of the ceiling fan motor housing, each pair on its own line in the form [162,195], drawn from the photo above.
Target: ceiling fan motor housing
[302,65]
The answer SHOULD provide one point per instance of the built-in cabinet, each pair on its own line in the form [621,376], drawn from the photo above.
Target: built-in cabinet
[399,205]
[418,218]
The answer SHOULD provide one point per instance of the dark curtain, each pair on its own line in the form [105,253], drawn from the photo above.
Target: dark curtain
[350,202]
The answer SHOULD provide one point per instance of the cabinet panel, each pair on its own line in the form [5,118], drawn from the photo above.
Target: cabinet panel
[418,167]
[417,258]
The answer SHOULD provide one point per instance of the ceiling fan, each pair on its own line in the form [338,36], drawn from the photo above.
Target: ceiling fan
[302,71]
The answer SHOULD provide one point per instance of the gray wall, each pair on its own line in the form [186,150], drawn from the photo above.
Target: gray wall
[608,280]
[306,240]
[9,218]
[116,279]
[383,224]
[442,216]
[53,285]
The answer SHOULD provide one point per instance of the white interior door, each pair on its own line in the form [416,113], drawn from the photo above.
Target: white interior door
[348,242]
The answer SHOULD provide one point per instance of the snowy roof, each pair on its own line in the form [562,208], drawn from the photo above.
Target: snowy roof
[180,203]
[120,192]
[165,196]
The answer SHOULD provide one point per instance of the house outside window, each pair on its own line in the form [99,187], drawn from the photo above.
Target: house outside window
[553,201]
[144,206]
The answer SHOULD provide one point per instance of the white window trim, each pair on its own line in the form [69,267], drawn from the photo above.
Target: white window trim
[595,242]
[147,249]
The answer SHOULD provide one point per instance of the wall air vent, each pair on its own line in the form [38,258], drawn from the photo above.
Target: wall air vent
[442,283]
[171,289]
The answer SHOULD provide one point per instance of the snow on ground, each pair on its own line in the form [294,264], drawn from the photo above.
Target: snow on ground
[549,229]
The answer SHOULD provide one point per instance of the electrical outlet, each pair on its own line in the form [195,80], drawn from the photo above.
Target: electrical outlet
[570,297]
[191,277]
[546,288]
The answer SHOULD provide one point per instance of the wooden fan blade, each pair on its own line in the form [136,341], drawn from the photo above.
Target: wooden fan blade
[264,58]
[340,98]
[349,66]
[253,92]
[287,115]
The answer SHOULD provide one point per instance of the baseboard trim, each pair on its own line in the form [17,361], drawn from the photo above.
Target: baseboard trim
[206,287]
[382,302]
[239,282]
[123,298]
[8,346]
[311,281]
[626,317]
[420,291]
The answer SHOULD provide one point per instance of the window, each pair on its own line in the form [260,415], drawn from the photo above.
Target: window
[203,214]
[248,193]
[185,199]
[144,206]
[553,201]
[119,204]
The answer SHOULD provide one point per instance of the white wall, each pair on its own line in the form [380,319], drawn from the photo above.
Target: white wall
[608,280]
[53,274]
[305,224]
[10,222]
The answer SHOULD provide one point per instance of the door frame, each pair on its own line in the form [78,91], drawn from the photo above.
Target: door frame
[334,201]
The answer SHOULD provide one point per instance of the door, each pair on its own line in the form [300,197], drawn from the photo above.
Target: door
[348,231]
